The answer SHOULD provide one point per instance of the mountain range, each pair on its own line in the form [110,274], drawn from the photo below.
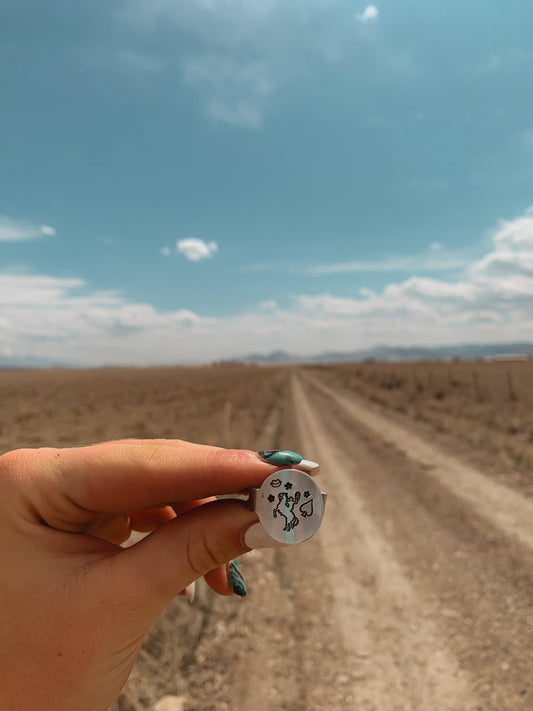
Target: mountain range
[471,351]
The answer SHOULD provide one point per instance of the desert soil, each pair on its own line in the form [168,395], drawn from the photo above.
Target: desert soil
[416,594]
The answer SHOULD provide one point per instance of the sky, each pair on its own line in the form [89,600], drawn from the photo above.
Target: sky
[190,180]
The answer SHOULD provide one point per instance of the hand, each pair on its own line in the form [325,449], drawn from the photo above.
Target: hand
[74,605]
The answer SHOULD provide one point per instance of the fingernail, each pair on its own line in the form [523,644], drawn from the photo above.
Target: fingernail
[308,466]
[283,457]
[280,456]
[235,579]
[256,537]
[190,592]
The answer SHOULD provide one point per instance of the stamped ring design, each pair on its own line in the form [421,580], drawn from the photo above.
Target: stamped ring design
[290,505]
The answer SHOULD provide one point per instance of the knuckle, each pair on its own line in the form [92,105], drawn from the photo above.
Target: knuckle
[14,461]
[13,471]
[21,463]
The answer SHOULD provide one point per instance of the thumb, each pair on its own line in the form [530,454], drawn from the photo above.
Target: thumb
[184,549]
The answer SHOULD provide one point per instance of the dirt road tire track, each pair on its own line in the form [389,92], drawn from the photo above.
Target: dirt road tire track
[279,647]
[506,508]
[405,665]
[442,580]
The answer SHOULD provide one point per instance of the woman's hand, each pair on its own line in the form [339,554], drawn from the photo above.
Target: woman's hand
[74,605]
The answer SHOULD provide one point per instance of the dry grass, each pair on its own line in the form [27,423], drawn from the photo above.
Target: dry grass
[220,406]
[487,404]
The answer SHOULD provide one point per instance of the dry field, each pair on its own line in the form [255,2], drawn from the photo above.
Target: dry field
[63,408]
[487,405]
[416,595]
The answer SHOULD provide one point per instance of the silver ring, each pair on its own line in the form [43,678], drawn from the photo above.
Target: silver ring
[289,504]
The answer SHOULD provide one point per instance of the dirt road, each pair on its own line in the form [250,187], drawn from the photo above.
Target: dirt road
[416,595]
[439,556]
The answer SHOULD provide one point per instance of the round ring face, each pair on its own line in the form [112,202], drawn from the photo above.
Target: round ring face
[289,505]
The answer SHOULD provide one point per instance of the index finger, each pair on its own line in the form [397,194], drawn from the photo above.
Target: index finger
[136,474]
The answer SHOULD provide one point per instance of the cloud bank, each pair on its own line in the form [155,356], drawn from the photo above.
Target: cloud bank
[61,319]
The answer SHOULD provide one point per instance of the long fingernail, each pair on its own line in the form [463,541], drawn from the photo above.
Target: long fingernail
[256,537]
[235,579]
[280,456]
[190,592]
[309,466]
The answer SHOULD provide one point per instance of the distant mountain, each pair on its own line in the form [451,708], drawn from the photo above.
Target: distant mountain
[470,351]
[15,362]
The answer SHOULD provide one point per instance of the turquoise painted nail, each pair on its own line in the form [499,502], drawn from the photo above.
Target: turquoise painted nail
[280,456]
[235,579]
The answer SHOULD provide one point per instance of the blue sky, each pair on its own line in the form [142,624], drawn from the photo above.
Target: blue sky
[189,180]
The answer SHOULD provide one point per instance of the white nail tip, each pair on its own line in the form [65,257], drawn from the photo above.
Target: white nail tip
[257,537]
[308,465]
[190,592]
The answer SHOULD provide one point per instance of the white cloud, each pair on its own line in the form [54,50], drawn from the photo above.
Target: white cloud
[516,233]
[494,299]
[22,230]
[435,259]
[196,249]
[369,14]
[62,319]
[23,290]
[236,54]
[268,305]
[166,251]
[47,230]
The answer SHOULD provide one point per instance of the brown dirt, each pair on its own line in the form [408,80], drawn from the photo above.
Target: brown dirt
[417,593]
